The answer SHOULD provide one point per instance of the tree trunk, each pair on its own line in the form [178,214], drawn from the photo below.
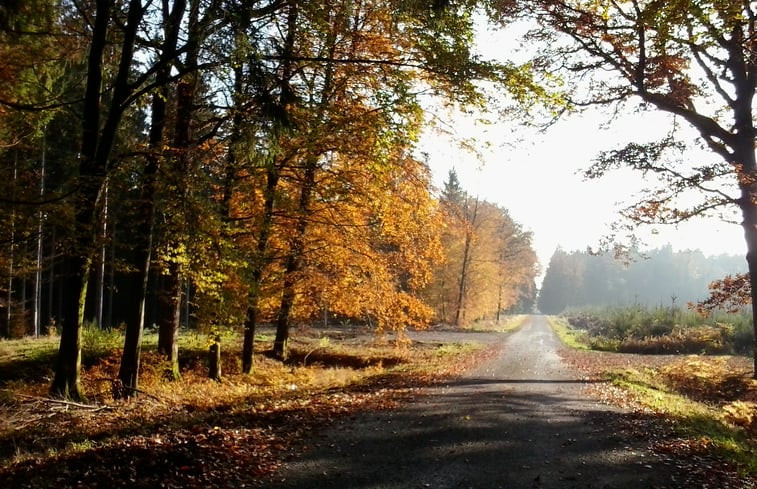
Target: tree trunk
[468,222]
[11,256]
[259,265]
[285,309]
[167,344]
[214,360]
[170,317]
[751,259]
[749,213]
[66,382]
[460,302]
[101,260]
[294,261]
[37,309]
[120,93]
[170,321]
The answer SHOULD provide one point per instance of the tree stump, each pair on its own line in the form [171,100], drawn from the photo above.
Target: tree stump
[214,359]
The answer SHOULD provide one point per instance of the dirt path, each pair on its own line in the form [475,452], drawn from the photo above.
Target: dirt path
[520,421]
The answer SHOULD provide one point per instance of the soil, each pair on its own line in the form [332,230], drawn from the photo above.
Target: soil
[521,420]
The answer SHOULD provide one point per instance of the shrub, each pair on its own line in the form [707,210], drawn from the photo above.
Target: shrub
[662,330]
[704,379]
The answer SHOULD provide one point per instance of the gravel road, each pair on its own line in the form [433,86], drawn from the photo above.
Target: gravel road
[520,421]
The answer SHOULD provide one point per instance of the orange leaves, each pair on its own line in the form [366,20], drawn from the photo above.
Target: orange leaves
[731,293]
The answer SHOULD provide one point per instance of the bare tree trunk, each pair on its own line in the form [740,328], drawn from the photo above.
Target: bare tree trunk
[37,307]
[469,222]
[168,321]
[67,382]
[11,256]
[101,259]
[460,302]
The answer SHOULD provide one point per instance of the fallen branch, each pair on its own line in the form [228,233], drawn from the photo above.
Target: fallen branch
[64,402]
[139,391]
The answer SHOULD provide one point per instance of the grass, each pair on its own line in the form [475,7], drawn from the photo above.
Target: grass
[508,323]
[571,337]
[711,400]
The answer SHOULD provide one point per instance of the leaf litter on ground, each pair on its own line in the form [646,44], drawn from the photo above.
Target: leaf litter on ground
[200,433]
[648,387]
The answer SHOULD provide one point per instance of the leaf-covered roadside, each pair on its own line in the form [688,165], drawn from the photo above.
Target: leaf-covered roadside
[199,433]
[679,405]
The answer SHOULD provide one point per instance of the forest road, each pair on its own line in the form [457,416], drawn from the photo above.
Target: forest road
[519,421]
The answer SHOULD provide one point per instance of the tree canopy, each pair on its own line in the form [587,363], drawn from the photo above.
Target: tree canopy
[218,164]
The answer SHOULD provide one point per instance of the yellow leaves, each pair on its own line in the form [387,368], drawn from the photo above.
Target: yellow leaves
[705,378]
[488,260]
[741,413]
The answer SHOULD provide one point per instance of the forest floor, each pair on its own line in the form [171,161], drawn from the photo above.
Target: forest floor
[480,409]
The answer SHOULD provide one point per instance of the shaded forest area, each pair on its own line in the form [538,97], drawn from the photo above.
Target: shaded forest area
[658,277]
[220,165]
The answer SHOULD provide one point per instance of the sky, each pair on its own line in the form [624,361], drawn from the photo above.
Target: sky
[538,180]
[537,176]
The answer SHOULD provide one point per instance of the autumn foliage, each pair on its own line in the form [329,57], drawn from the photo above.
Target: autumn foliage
[732,294]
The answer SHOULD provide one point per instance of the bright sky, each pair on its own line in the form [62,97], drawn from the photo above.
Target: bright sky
[536,176]
[538,180]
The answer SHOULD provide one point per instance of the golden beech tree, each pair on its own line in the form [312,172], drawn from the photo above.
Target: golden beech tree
[377,255]
[489,265]
[338,83]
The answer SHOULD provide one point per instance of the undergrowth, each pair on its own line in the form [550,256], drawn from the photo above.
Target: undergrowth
[660,330]
[698,393]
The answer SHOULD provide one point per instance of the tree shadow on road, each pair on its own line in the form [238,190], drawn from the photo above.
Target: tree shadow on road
[493,439]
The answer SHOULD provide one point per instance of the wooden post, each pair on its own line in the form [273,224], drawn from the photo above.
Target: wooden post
[214,359]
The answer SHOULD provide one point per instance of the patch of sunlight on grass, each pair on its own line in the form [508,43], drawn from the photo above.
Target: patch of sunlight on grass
[27,348]
[505,324]
[569,336]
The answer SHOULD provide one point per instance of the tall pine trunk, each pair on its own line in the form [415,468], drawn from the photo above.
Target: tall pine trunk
[129,374]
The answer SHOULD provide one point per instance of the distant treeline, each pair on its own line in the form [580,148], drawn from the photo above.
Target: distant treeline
[659,276]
